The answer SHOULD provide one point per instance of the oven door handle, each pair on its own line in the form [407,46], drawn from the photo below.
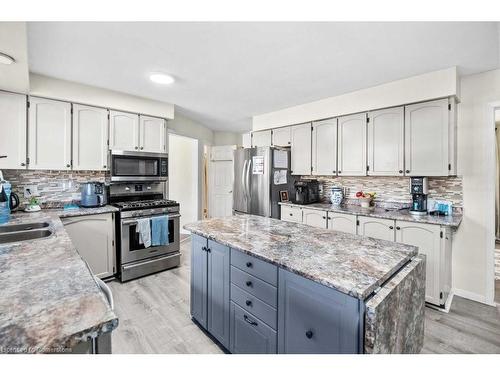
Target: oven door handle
[128,222]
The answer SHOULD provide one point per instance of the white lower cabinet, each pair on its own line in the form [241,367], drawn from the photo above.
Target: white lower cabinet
[435,243]
[291,213]
[342,222]
[93,237]
[314,218]
[382,229]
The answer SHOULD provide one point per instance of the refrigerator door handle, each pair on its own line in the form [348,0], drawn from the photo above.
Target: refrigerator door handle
[247,184]
[243,176]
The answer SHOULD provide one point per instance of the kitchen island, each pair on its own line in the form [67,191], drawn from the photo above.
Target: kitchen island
[50,301]
[261,285]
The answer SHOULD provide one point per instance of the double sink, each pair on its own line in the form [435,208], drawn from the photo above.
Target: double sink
[24,232]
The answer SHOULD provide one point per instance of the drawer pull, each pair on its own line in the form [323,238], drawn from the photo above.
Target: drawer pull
[251,322]
[249,283]
[291,214]
[249,264]
[391,227]
[309,334]
[248,302]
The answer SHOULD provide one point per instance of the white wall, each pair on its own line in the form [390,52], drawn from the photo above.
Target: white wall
[438,84]
[473,269]
[183,176]
[13,42]
[227,138]
[54,88]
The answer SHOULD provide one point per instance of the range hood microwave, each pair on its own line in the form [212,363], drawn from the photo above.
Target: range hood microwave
[130,166]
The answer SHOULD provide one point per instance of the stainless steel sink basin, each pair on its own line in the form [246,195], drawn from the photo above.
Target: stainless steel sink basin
[24,236]
[20,227]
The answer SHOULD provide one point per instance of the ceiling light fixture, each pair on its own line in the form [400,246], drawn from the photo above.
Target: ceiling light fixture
[161,78]
[6,59]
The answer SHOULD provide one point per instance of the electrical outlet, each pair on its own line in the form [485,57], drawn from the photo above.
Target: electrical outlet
[31,191]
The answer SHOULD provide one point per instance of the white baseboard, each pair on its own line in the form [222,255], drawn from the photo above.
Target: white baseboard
[472,296]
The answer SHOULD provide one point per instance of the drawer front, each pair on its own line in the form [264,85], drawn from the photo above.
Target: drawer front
[254,306]
[293,214]
[250,335]
[258,288]
[256,267]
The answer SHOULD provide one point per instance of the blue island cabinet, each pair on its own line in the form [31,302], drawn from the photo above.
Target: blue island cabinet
[316,319]
[210,287]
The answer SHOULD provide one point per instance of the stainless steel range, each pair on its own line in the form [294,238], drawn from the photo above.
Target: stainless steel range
[137,201]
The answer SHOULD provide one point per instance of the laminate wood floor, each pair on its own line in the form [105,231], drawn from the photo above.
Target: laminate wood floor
[154,318]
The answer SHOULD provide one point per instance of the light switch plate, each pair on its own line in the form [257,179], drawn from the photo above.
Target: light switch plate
[31,191]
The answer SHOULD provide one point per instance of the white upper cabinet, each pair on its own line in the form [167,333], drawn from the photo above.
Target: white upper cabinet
[90,137]
[324,147]
[152,134]
[427,139]
[301,149]
[261,138]
[49,129]
[352,145]
[386,142]
[123,131]
[282,136]
[12,131]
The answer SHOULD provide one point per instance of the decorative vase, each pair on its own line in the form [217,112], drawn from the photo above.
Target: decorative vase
[336,196]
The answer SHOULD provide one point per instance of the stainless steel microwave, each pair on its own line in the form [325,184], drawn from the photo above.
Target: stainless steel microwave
[138,166]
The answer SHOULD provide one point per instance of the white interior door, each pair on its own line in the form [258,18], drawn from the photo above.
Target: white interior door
[123,131]
[152,134]
[220,185]
[90,137]
[12,131]
[49,145]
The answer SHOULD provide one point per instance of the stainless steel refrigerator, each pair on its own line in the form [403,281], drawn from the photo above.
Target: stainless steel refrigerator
[260,174]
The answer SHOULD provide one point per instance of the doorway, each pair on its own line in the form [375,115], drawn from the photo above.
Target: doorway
[220,181]
[497,207]
[183,177]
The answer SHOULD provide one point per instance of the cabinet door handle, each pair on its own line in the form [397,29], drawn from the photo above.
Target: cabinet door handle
[104,166]
[324,217]
[68,165]
[400,171]
[334,172]
[248,302]
[309,334]
[407,171]
[142,148]
[249,283]
[23,164]
[136,147]
[251,322]
[203,248]
[340,172]
[209,250]
[3,156]
[398,228]
[291,214]
[249,264]
[391,227]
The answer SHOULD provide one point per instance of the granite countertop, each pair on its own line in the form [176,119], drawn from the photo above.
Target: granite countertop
[50,301]
[355,265]
[404,215]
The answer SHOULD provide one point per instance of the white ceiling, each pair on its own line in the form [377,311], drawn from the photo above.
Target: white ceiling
[228,72]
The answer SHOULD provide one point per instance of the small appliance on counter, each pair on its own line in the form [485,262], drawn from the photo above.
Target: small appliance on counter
[93,194]
[306,191]
[439,207]
[419,189]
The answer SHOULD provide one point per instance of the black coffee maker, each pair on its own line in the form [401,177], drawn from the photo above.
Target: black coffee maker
[306,192]
[419,189]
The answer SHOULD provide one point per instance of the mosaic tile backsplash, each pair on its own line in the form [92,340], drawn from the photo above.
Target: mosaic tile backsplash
[54,187]
[392,192]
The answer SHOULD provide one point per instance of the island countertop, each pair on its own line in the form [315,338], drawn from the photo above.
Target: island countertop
[50,301]
[355,265]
